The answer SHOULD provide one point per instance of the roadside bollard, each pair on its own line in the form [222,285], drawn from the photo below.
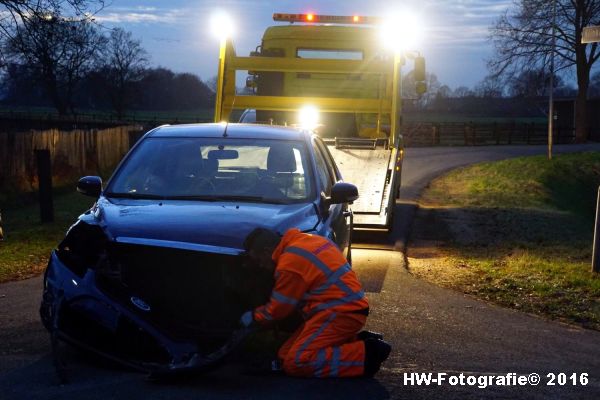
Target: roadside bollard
[595,254]
[44,170]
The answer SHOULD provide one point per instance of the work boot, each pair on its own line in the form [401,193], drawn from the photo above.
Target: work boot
[376,352]
[364,335]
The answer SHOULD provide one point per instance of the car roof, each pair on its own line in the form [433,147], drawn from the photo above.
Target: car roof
[232,130]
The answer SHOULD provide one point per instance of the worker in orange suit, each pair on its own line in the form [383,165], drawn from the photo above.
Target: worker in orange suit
[312,275]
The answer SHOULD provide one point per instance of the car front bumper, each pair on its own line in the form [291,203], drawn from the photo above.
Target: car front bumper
[75,311]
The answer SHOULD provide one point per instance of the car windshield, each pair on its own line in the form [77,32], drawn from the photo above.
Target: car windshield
[212,169]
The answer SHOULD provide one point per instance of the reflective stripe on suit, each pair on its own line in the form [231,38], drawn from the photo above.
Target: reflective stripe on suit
[312,275]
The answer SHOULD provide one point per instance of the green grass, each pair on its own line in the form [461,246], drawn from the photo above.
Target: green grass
[533,222]
[568,182]
[28,243]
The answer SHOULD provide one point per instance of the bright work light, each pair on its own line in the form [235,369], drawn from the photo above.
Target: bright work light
[309,117]
[221,25]
[402,31]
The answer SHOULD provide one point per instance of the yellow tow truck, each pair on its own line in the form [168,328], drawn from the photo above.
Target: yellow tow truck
[330,74]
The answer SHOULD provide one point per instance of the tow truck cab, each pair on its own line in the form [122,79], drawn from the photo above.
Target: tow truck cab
[338,66]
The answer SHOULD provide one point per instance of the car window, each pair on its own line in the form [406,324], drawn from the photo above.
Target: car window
[333,171]
[272,170]
[322,170]
[248,117]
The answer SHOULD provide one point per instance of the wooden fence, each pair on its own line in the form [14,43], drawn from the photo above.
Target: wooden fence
[479,134]
[80,149]
[73,153]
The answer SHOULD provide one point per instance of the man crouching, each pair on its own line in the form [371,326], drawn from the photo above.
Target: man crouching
[312,275]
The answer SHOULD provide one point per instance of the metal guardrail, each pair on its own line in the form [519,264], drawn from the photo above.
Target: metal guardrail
[479,133]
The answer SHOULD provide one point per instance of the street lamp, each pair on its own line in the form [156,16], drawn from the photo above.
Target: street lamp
[222,27]
[551,95]
[401,32]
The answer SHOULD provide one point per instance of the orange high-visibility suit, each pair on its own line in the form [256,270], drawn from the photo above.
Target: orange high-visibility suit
[311,274]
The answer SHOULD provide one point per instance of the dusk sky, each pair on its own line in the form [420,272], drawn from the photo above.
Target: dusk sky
[176,32]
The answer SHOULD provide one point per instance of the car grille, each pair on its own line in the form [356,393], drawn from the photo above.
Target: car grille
[189,293]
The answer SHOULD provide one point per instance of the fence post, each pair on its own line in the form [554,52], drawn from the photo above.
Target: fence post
[595,255]
[473,130]
[511,132]
[496,133]
[435,130]
[44,172]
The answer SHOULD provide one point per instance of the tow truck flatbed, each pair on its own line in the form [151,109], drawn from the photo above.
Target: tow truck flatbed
[367,164]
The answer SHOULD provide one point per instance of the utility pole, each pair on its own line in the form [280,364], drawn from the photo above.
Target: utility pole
[551,97]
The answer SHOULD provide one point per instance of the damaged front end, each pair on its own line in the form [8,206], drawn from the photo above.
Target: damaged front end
[157,306]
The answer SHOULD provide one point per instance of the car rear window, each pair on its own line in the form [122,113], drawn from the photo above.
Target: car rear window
[216,168]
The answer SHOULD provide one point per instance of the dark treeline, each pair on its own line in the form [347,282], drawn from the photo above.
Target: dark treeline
[53,53]
[523,95]
[157,89]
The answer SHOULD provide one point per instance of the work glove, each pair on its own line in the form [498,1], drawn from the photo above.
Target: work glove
[247,319]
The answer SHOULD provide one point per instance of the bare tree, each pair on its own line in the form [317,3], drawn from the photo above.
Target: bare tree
[409,90]
[532,83]
[13,13]
[212,83]
[523,40]
[124,64]
[58,51]
[462,92]
[56,39]
[595,85]
[489,87]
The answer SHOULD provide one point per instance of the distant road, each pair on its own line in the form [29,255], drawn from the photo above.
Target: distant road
[423,164]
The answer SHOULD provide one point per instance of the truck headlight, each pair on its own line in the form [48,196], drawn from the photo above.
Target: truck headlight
[308,117]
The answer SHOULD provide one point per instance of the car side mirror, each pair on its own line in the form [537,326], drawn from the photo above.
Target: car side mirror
[343,192]
[90,186]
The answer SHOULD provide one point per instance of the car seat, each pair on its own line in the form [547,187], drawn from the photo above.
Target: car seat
[281,164]
[208,173]
[191,174]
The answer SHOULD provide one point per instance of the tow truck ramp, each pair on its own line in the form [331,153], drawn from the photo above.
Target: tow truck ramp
[366,163]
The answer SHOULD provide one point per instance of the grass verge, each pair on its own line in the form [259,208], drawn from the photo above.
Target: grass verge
[517,233]
[28,243]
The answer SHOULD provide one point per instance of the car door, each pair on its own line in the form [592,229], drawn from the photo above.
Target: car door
[338,221]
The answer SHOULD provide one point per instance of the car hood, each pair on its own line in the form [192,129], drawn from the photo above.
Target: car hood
[221,224]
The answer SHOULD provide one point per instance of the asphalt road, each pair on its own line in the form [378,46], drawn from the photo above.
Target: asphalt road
[431,329]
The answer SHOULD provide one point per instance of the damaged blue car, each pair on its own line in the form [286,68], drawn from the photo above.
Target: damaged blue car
[154,274]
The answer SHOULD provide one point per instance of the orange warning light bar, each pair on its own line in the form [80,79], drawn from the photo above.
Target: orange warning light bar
[326,19]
